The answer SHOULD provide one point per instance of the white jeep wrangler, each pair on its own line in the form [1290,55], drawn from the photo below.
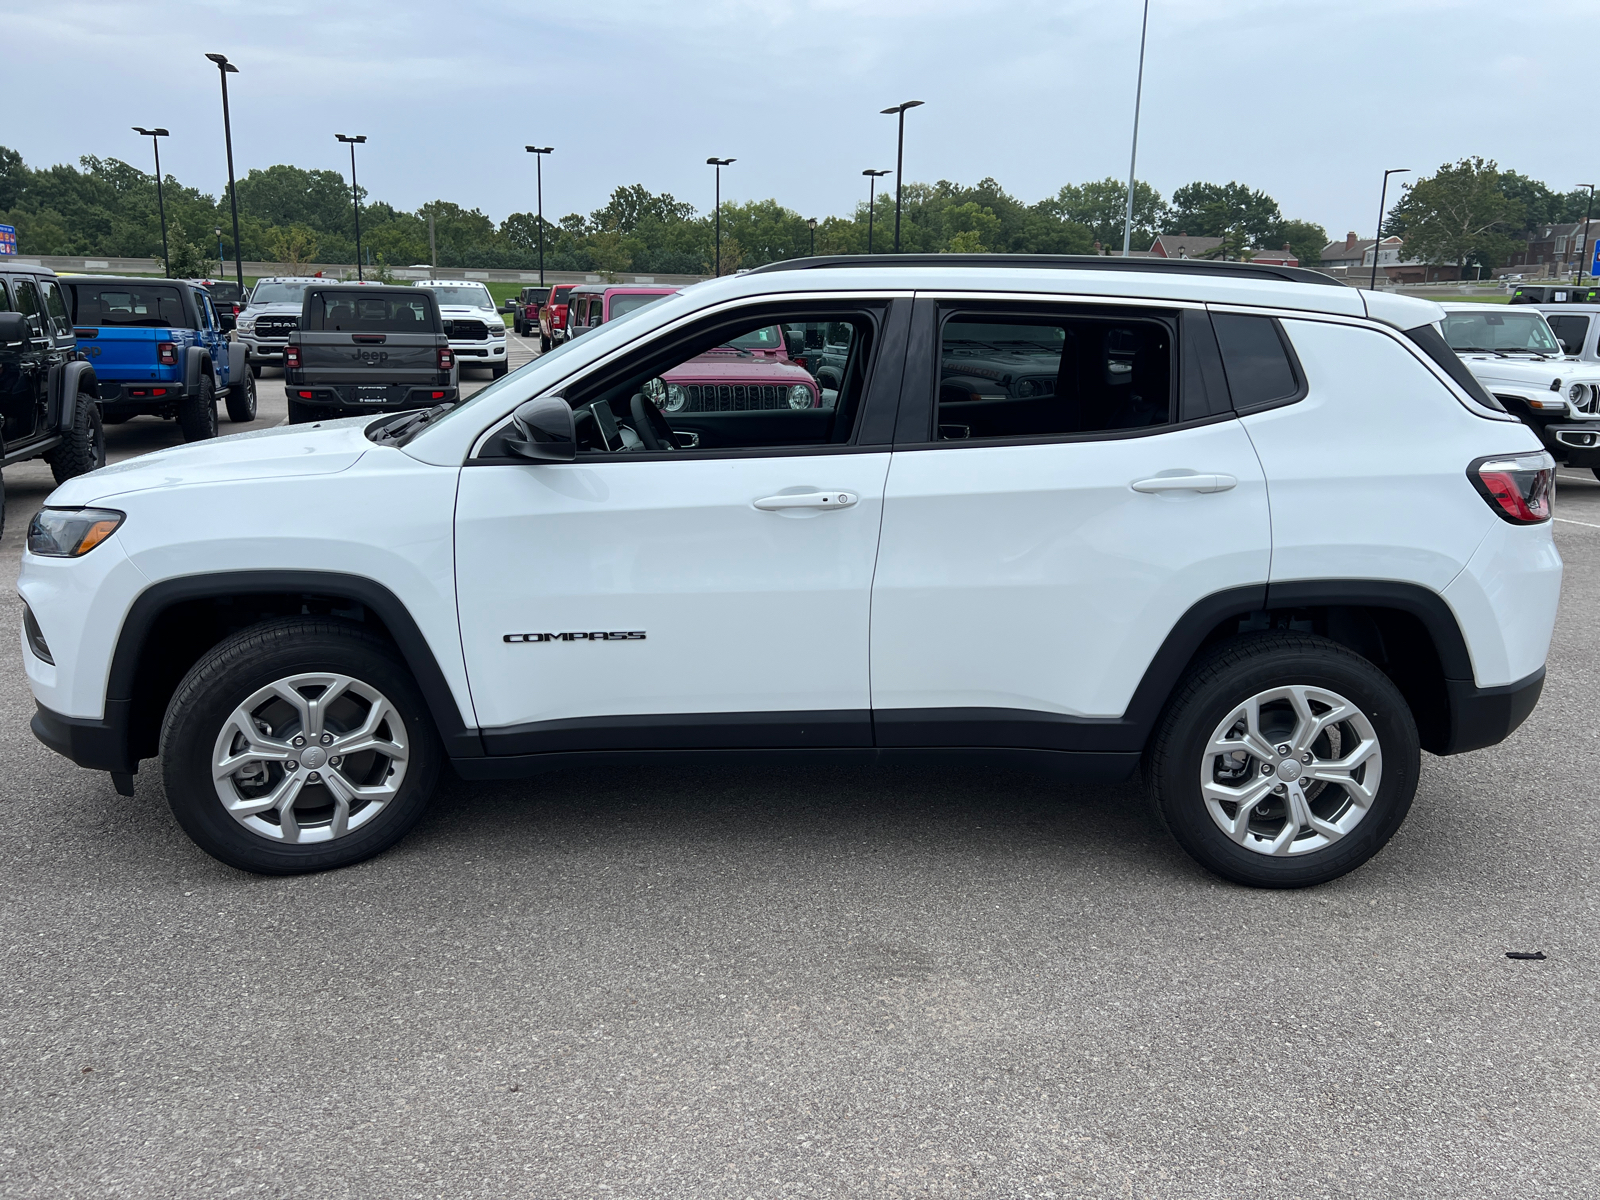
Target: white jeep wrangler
[1258,533]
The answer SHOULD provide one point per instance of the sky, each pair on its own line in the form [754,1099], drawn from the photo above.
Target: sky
[1308,100]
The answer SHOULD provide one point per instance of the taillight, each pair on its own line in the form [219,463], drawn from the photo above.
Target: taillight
[446,358]
[167,354]
[291,356]
[1516,486]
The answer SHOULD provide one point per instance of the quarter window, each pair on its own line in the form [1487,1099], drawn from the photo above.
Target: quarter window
[1052,377]
[1256,360]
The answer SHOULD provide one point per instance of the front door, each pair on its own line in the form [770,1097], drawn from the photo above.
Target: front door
[1064,505]
[27,373]
[700,576]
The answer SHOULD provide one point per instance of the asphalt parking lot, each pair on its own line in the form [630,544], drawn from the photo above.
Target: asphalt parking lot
[748,982]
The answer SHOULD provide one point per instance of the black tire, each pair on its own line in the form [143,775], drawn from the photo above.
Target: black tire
[544,344]
[2,504]
[255,369]
[1596,471]
[83,447]
[497,371]
[1244,668]
[301,414]
[239,667]
[197,412]
[242,399]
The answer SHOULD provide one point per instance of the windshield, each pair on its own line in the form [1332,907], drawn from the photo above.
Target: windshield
[768,337]
[622,305]
[152,306]
[1505,332]
[475,296]
[278,293]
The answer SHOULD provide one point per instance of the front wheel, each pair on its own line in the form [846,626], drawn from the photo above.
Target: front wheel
[497,371]
[242,400]
[255,369]
[1284,760]
[301,744]
[197,412]
[83,447]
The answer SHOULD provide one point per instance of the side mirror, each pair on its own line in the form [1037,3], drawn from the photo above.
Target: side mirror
[13,328]
[543,430]
[794,343]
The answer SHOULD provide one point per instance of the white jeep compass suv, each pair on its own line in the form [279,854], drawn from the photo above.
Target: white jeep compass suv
[1258,533]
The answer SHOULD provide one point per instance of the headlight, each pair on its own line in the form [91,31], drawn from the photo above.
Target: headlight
[71,532]
[1026,388]
[1575,393]
[498,331]
[799,396]
[676,397]
[245,324]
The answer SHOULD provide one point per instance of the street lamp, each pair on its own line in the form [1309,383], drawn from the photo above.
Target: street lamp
[355,196]
[538,160]
[719,163]
[161,204]
[812,223]
[899,162]
[225,68]
[872,197]
[1584,247]
[1383,200]
[1133,155]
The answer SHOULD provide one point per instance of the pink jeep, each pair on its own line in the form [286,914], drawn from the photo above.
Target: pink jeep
[751,373]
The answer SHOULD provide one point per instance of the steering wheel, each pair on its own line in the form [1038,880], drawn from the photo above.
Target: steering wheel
[650,423]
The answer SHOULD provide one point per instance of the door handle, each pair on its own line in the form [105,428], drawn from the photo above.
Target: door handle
[807,500]
[1185,483]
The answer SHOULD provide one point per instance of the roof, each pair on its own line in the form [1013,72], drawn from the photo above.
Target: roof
[1055,262]
[17,267]
[1181,245]
[138,280]
[596,289]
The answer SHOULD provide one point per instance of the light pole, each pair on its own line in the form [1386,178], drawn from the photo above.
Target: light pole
[899,162]
[222,263]
[811,222]
[538,153]
[225,68]
[1383,200]
[1133,155]
[872,197]
[1588,212]
[719,163]
[161,204]
[355,195]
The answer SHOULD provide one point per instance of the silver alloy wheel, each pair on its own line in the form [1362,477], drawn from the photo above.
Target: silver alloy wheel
[310,758]
[1291,770]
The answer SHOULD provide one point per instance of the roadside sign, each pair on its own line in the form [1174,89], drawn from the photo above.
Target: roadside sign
[1594,267]
[8,239]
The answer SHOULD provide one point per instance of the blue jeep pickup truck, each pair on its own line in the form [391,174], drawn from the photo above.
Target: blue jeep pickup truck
[157,347]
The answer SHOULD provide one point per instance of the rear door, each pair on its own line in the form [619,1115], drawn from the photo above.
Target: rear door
[1062,493]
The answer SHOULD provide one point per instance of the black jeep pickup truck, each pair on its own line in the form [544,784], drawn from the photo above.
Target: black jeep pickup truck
[367,349]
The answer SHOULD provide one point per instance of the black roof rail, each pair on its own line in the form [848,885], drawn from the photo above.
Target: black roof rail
[1060,262]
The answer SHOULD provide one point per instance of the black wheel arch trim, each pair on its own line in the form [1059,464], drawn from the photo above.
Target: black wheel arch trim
[461,740]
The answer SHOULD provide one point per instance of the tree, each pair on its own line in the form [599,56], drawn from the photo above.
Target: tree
[189,260]
[1212,209]
[1460,215]
[1304,238]
[1102,208]
[294,247]
[13,177]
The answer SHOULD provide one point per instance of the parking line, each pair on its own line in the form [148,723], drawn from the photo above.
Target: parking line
[1570,521]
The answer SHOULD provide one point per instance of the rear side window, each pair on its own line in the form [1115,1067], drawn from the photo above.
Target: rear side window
[622,305]
[148,306]
[363,312]
[1052,377]
[1256,358]
[1570,330]
[56,306]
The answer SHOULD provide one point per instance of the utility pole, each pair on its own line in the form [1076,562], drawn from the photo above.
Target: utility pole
[899,162]
[161,204]
[355,194]
[433,250]
[872,197]
[1584,248]
[226,68]
[539,152]
[719,163]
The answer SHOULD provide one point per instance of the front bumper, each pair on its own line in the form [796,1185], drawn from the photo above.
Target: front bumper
[1575,445]
[479,353]
[266,350]
[1482,717]
[99,743]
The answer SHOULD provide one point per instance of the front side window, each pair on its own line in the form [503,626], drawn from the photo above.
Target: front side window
[30,306]
[1052,376]
[1506,332]
[1570,330]
[735,387]
[622,305]
[5,297]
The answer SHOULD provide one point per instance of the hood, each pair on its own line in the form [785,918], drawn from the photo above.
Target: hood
[718,369]
[469,310]
[278,309]
[320,449]
[1530,372]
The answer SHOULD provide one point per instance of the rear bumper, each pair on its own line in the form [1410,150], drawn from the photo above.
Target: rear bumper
[396,395]
[101,744]
[1482,717]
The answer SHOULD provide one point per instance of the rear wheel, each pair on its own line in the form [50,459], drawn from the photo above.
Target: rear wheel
[242,399]
[300,413]
[544,344]
[197,412]
[83,447]
[298,745]
[1284,760]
